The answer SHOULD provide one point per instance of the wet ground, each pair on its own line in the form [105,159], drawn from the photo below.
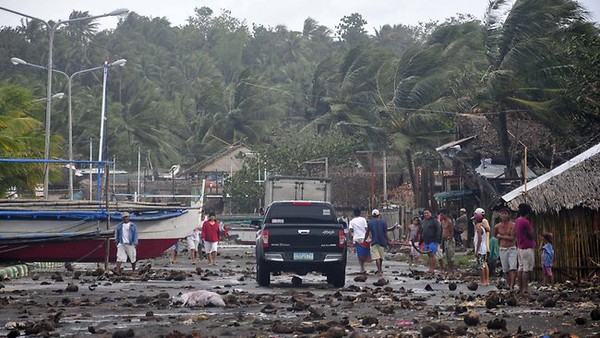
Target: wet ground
[405,303]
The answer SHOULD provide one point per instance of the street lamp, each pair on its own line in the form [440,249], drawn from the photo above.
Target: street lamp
[51,27]
[55,96]
[120,62]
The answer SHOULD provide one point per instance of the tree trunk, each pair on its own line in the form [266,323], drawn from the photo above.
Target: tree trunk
[505,144]
[411,173]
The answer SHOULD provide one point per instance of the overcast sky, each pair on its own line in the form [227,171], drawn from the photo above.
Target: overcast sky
[290,13]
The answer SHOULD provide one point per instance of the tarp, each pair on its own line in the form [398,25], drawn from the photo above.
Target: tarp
[453,195]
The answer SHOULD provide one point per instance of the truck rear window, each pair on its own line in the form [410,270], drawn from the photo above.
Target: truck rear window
[305,214]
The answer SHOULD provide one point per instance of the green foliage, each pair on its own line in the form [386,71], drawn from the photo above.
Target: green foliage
[21,136]
[188,91]
[351,29]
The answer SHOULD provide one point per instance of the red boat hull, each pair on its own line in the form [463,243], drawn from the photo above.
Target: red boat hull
[88,250]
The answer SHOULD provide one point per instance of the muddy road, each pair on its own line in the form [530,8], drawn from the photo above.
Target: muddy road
[88,302]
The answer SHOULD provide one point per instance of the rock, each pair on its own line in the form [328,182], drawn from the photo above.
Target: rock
[269,308]
[428,288]
[452,286]
[461,330]
[370,321]
[595,314]
[143,299]
[316,313]
[124,334]
[512,301]
[357,334]
[436,330]
[381,282]
[387,309]
[13,334]
[472,286]
[550,302]
[360,278]
[296,281]
[98,272]
[333,332]
[460,309]
[580,321]
[471,318]
[306,328]
[497,324]
[492,301]
[283,328]
[428,331]
[57,277]
[178,276]
[71,288]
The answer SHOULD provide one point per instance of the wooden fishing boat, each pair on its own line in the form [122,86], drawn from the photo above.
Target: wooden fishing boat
[82,231]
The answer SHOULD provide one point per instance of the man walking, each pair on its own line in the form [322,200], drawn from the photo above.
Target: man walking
[211,234]
[431,235]
[377,230]
[525,246]
[448,243]
[126,237]
[358,229]
[505,233]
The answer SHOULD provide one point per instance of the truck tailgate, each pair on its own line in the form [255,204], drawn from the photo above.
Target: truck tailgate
[304,237]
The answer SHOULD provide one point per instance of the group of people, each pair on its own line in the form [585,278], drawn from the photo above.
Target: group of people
[511,243]
[208,233]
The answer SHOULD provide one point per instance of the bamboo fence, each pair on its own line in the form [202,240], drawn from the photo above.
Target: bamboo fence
[576,243]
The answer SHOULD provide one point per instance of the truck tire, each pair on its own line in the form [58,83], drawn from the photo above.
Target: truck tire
[263,275]
[337,277]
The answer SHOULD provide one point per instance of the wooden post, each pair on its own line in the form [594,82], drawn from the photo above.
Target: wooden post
[106,197]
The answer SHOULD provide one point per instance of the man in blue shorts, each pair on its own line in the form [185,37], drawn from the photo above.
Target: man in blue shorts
[377,231]
[431,235]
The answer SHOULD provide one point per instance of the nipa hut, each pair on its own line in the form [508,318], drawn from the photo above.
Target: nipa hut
[566,202]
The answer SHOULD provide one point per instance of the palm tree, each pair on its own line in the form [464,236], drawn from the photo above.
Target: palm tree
[529,64]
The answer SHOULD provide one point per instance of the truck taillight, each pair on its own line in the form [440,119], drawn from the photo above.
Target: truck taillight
[342,238]
[265,238]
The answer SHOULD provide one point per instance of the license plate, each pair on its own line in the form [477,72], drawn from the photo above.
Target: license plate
[303,256]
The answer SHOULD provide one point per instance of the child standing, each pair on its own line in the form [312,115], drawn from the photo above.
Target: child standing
[547,258]
[480,244]
[412,236]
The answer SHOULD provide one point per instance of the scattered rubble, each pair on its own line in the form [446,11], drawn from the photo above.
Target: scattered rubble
[200,301]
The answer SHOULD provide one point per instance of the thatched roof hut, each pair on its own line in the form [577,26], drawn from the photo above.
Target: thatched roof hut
[566,202]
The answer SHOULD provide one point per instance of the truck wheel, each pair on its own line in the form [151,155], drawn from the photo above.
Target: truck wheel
[337,277]
[263,275]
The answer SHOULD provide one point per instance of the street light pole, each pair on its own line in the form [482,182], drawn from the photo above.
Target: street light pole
[17,61]
[51,30]
[120,62]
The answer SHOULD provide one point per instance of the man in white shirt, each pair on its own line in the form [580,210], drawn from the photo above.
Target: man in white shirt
[358,229]
[126,238]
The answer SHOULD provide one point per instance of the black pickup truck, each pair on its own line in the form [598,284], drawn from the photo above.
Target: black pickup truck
[301,237]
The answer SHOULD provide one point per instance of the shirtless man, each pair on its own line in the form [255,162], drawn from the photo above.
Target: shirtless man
[448,242]
[505,232]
